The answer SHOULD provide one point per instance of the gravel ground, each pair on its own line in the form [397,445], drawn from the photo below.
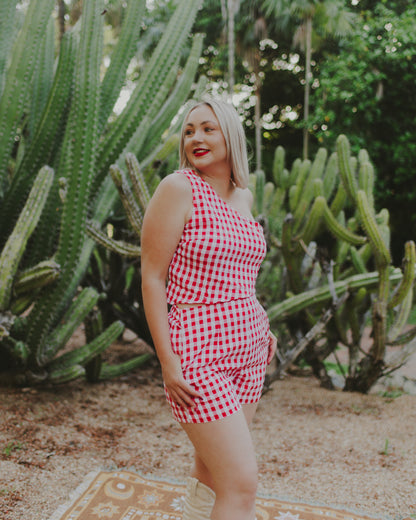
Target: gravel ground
[342,449]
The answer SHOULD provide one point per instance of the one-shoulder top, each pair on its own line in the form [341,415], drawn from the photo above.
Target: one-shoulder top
[219,254]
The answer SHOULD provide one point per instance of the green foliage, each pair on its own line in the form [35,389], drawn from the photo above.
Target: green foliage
[64,117]
[364,91]
[330,271]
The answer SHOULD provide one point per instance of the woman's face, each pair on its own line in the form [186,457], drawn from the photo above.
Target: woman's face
[204,142]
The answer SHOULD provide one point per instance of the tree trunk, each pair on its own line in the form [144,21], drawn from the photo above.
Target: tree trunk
[257,122]
[231,46]
[308,78]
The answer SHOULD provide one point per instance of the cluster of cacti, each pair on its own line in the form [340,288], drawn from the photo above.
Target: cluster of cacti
[330,241]
[60,116]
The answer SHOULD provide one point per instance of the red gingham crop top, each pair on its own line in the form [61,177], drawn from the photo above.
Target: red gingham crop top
[219,254]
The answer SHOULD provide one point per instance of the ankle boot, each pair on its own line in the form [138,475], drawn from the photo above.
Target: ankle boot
[199,500]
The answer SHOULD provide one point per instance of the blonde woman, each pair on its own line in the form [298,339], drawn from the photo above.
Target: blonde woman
[215,342]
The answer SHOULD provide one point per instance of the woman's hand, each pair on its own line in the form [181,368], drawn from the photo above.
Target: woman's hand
[272,347]
[179,390]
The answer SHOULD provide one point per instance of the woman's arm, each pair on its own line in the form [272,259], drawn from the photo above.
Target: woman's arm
[168,211]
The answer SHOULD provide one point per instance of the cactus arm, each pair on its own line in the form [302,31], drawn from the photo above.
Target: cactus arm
[291,259]
[35,277]
[177,98]
[314,220]
[331,175]
[72,319]
[120,59]
[151,79]
[78,161]
[401,318]
[278,165]
[66,374]
[110,371]
[116,246]
[366,180]
[82,355]
[341,231]
[17,87]
[304,170]
[138,182]
[321,295]
[339,200]
[357,260]
[347,175]
[316,171]
[131,207]
[7,20]
[379,248]
[294,172]
[25,225]
[45,141]
[43,77]
[408,275]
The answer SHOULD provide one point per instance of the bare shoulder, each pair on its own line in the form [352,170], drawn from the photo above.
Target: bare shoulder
[247,196]
[174,193]
[176,181]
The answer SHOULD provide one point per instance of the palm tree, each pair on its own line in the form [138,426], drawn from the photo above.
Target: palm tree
[315,20]
[252,28]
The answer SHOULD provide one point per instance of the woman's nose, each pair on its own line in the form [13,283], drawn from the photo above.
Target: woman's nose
[198,135]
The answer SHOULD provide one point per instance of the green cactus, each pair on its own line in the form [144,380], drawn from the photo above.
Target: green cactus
[405,287]
[15,246]
[17,84]
[67,125]
[347,174]
[314,232]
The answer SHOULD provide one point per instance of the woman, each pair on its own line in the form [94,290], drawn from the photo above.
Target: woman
[215,342]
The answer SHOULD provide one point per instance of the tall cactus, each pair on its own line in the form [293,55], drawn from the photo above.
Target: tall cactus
[333,197]
[17,85]
[71,130]
[15,246]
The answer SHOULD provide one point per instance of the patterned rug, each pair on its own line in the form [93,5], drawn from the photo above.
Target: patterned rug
[124,495]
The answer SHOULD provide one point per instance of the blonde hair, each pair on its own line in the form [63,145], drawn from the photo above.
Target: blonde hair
[235,140]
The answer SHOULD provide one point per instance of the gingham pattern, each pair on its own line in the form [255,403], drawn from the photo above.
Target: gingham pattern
[223,349]
[219,254]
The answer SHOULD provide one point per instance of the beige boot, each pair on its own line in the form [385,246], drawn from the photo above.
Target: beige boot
[199,500]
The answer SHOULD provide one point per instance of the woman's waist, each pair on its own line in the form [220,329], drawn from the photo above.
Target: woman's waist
[188,305]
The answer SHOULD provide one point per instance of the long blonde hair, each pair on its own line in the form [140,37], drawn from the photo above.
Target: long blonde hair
[235,140]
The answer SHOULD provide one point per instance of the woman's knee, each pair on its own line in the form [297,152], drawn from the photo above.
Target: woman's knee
[242,484]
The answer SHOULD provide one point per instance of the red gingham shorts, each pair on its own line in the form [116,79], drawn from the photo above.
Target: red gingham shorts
[223,349]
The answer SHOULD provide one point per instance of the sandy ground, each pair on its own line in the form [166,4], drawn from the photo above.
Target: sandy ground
[341,449]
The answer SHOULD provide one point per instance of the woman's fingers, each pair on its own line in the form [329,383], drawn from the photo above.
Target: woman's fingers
[272,347]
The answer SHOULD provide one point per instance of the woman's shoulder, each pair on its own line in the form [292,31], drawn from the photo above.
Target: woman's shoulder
[176,183]
[246,195]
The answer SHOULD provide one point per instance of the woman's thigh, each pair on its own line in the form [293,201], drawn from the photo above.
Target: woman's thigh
[226,449]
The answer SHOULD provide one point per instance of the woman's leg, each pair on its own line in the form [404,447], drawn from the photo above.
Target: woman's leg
[225,461]
[199,470]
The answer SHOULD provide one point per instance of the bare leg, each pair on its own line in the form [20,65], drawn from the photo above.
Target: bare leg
[199,470]
[225,461]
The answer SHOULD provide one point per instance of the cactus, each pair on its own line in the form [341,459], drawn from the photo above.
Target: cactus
[15,246]
[17,84]
[314,226]
[68,126]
